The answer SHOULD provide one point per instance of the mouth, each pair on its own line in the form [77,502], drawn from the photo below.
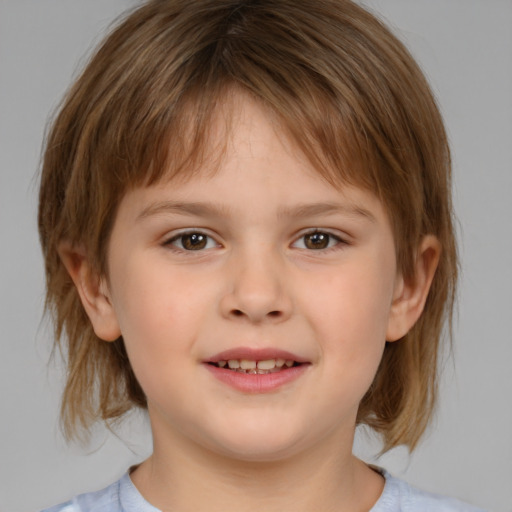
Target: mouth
[256,371]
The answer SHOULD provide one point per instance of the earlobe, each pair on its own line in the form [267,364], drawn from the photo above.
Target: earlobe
[92,290]
[410,295]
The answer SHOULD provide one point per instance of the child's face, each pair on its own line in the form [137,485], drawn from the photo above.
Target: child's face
[231,262]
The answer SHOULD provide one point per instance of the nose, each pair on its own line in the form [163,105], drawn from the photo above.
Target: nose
[258,290]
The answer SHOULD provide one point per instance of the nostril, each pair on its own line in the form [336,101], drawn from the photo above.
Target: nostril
[272,314]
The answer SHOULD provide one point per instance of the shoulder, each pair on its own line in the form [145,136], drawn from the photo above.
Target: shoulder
[105,500]
[121,496]
[399,496]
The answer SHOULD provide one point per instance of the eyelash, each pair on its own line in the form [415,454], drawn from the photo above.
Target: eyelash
[331,237]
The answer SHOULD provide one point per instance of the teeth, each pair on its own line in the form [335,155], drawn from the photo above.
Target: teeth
[247,365]
[256,367]
[266,365]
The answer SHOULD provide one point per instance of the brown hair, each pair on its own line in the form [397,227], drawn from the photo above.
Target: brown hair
[343,87]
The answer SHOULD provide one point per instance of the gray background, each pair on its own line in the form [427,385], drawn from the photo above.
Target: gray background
[465,47]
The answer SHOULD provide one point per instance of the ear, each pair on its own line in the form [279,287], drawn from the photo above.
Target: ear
[410,296]
[92,290]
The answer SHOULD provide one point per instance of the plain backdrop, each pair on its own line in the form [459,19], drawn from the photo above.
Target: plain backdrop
[465,48]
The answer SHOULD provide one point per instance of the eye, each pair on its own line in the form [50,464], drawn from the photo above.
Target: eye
[192,241]
[317,240]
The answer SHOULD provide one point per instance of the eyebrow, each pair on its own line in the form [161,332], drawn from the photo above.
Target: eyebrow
[312,210]
[215,211]
[182,208]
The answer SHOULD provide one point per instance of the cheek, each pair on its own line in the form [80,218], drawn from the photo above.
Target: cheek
[349,313]
[158,315]
[151,295]
[354,303]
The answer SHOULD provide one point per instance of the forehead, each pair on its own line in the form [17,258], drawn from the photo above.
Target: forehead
[251,158]
[236,127]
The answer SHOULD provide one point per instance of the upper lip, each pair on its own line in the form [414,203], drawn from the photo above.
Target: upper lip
[255,354]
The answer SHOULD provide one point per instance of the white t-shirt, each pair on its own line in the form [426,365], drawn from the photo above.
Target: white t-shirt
[397,496]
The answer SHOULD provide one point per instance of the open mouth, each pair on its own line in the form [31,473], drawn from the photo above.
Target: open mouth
[251,367]
[255,371]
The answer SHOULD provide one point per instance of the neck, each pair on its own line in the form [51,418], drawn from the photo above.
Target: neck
[181,476]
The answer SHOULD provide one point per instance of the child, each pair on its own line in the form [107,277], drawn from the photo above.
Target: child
[246,221]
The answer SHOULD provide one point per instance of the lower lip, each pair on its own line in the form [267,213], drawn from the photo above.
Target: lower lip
[257,383]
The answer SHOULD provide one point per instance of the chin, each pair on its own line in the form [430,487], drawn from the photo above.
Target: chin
[260,444]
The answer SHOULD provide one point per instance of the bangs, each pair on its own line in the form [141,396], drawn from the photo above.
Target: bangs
[167,132]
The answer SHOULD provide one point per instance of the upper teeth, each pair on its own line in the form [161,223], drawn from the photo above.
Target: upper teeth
[247,364]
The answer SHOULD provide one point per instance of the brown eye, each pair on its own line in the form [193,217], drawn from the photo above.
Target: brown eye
[317,240]
[193,241]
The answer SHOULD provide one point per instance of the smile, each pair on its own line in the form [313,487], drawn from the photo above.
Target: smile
[256,371]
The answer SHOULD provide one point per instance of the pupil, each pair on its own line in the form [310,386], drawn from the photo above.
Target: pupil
[194,241]
[317,241]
